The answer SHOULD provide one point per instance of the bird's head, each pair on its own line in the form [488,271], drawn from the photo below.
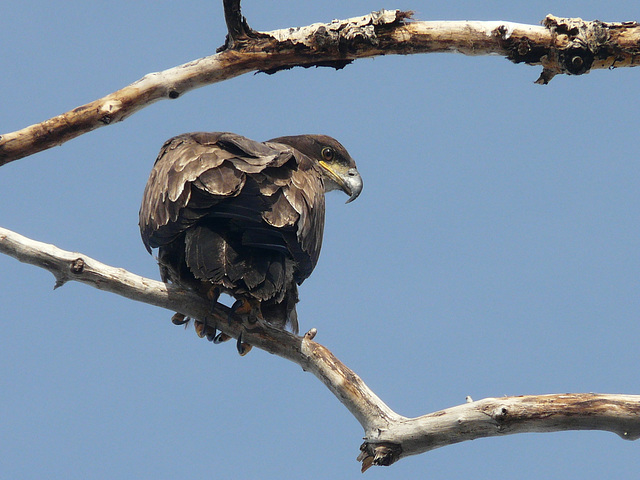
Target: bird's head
[337,166]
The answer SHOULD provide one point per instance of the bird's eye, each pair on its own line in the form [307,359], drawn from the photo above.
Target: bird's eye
[327,153]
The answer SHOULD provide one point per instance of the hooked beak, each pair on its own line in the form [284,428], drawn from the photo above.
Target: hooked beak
[350,181]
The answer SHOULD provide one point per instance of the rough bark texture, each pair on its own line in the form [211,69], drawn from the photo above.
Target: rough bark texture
[388,435]
[569,46]
[491,417]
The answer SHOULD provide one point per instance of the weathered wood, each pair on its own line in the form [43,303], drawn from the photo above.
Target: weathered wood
[568,46]
[492,417]
[66,266]
[388,435]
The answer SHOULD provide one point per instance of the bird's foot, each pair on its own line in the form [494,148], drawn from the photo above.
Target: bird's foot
[180,319]
[244,309]
[243,348]
[240,309]
[210,332]
[201,328]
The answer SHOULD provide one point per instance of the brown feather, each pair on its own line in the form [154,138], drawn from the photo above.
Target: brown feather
[245,216]
[281,214]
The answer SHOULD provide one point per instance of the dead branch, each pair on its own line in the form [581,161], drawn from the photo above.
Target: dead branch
[66,266]
[388,435]
[570,46]
[503,416]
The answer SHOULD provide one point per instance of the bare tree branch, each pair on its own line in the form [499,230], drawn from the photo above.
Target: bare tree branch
[388,435]
[66,266]
[503,416]
[569,46]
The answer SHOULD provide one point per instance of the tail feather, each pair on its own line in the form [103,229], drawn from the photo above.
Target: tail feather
[213,253]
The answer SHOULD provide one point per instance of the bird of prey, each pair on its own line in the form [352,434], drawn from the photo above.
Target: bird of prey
[232,215]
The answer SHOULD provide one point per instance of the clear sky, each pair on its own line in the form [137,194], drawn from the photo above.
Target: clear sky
[493,251]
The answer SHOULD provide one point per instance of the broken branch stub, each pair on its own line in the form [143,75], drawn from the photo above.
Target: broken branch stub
[569,46]
[388,436]
[579,46]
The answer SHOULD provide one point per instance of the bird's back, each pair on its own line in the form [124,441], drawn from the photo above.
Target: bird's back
[229,213]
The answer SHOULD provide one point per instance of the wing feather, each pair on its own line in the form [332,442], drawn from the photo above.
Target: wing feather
[282,213]
[305,194]
[258,187]
[223,180]
[209,167]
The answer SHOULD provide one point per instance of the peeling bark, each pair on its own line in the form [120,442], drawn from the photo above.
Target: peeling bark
[569,46]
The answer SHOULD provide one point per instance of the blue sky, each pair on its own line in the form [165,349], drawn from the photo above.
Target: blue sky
[493,251]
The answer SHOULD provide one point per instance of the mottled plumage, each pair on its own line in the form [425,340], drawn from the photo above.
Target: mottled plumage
[242,216]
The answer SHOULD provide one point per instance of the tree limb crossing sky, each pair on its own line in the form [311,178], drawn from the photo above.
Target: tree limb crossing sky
[493,251]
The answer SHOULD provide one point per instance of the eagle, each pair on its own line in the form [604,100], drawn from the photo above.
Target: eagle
[245,218]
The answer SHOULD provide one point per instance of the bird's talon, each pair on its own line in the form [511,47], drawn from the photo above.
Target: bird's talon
[239,344]
[179,319]
[211,334]
[221,337]
[200,328]
[232,311]
[243,348]
[242,307]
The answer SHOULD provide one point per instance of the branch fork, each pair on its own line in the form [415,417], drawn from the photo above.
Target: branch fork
[560,45]
[239,32]
[569,46]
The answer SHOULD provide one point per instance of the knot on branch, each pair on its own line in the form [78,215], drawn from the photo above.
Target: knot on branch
[577,44]
[502,416]
[380,454]
[77,266]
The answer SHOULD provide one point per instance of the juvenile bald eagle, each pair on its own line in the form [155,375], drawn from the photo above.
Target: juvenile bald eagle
[231,215]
